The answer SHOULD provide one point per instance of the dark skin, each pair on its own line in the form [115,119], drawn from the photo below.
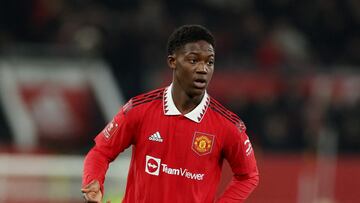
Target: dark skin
[193,66]
[92,193]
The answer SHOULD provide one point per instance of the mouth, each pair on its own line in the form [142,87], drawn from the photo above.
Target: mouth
[200,83]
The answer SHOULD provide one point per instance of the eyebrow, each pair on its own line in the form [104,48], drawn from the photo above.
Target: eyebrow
[198,53]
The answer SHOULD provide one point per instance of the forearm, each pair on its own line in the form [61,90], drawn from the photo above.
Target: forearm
[239,189]
[95,166]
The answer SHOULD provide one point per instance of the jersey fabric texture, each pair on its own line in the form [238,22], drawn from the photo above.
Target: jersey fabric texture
[175,157]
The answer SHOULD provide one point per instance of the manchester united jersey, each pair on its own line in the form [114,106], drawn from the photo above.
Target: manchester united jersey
[175,157]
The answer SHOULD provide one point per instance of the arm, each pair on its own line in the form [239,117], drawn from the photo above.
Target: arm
[239,153]
[96,164]
[116,136]
[239,189]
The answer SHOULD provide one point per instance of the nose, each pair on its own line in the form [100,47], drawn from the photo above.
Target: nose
[202,68]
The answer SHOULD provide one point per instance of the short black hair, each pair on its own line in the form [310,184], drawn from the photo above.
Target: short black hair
[186,34]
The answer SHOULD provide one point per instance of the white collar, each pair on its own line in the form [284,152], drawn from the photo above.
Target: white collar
[195,115]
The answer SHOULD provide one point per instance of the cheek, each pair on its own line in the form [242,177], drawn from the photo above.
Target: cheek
[184,70]
[182,73]
[210,72]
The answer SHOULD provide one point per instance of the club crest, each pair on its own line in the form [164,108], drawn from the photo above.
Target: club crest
[202,143]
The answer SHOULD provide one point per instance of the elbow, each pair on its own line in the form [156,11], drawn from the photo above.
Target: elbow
[255,180]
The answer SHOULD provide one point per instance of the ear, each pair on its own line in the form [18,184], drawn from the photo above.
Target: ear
[171,60]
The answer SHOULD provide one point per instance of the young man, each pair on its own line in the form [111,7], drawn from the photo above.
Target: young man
[179,134]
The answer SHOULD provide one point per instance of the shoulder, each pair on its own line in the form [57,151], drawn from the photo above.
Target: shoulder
[228,116]
[143,99]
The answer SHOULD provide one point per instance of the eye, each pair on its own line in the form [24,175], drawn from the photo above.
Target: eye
[192,61]
[210,63]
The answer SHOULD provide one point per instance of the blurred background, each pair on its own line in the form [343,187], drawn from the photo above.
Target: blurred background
[290,69]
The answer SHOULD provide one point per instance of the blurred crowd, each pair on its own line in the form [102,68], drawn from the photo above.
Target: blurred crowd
[293,120]
[283,36]
[268,34]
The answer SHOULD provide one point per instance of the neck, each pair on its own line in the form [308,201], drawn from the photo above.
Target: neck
[184,102]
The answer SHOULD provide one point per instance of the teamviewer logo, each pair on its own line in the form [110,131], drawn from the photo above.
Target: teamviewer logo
[152,165]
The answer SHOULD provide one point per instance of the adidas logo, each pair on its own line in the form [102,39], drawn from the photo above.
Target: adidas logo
[156,137]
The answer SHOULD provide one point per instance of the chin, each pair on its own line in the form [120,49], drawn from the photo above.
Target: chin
[194,92]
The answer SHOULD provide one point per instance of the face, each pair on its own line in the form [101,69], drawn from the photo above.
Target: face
[193,66]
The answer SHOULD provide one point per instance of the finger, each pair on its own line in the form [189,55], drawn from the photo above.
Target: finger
[90,197]
[108,201]
[85,190]
[85,197]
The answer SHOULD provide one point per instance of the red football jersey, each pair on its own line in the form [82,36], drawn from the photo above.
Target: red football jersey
[175,157]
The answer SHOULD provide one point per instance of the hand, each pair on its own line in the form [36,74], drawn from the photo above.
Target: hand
[92,192]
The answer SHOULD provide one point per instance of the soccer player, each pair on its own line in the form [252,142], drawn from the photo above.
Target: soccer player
[179,135]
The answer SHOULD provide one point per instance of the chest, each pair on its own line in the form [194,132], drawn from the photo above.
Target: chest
[179,139]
